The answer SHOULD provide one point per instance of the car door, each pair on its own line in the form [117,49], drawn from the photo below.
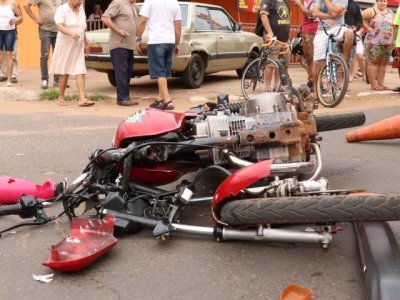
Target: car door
[202,38]
[231,49]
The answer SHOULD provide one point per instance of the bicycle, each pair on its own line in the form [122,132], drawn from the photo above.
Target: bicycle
[253,79]
[333,77]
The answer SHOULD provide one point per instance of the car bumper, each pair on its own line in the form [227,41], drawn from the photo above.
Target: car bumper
[102,63]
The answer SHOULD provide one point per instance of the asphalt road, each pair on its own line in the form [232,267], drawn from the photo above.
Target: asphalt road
[43,145]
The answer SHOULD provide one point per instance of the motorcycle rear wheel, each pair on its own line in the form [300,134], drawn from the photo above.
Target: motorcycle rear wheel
[328,122]
[312,209]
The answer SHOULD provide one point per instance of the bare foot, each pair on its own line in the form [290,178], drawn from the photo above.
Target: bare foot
[62,102]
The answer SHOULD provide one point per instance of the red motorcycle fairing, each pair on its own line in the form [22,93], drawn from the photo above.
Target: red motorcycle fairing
[87,241]
[149,122]
[240,180]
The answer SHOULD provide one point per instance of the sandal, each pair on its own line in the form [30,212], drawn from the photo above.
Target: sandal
[86,103]
[384,88]
[161,104]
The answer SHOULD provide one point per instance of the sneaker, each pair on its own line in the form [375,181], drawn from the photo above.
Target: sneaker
[14,80]
[45,84]
[9,83]
[2,78]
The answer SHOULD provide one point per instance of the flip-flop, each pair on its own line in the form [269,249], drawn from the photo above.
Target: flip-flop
[396,89]
[161,104]
[384,88]
[62,103]
[86,103]
[156,103]
[377,89]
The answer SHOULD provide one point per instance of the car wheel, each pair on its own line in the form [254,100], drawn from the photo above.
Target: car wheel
[193,75]
[111,78]
[253,55]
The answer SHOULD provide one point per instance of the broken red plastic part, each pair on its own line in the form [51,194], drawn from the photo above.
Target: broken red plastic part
[296,292]
[11,189]
[88,240]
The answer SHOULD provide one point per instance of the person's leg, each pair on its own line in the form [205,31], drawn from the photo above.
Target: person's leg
[360,56]
[308,52]
[372,72]
[320,47]
[80,83]
[44,56]
[9,48]
[63,84]
[380,78]
[10,64]
[15,59]
[348,44]
[119,58]
[52,40]
[163,83]
[373,63]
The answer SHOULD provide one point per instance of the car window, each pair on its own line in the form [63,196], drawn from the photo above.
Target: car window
[203,21]
[220,20]
[184,12]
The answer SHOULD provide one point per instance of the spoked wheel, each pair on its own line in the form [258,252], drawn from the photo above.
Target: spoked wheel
[312,209]
[253,80]
[333,81]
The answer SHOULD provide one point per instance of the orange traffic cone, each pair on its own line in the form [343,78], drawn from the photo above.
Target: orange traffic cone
[383,130]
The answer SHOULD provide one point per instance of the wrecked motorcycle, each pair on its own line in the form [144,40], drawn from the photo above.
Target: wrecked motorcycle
[257,162]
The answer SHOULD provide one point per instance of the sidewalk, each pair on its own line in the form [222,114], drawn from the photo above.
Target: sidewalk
[144,90]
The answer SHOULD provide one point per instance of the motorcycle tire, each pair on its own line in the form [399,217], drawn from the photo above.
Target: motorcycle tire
[312,209]
[328,122]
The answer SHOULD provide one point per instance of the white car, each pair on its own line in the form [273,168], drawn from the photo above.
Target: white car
[211,42]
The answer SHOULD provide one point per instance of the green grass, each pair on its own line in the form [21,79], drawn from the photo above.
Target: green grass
[53,94]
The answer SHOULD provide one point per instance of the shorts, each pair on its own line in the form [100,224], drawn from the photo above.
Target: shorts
[378,52]
[359,45]
[321,40]
[160,59]
[7,40]
[274,54]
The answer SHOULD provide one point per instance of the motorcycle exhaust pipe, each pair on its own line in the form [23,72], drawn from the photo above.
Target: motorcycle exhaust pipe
[276,235]
[313,166]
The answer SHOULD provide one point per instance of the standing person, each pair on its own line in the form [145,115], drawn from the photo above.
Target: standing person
[396,38]
[275,16]
[307,31]
[163,20]
[47,33]
[10,16]
[69,57]
[331,13]
[97,13]
[378,22]
[4,63]
[353,18]
[121,17]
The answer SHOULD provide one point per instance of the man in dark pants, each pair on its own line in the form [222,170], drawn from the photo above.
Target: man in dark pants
[121,17]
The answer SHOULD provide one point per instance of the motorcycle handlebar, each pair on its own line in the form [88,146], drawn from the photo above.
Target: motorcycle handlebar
[12,209]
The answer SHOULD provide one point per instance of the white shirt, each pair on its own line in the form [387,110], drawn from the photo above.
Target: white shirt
[161,15]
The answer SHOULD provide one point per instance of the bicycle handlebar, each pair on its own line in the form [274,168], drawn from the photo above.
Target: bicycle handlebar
[274,41]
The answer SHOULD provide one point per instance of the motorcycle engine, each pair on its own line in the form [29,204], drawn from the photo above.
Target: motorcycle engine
[267,125]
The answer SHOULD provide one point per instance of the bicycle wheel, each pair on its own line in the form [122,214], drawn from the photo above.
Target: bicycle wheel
[253,79]
[333,81]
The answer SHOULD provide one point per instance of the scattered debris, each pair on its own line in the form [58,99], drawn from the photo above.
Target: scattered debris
[44,278]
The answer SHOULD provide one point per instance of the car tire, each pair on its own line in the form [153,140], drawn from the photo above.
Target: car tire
[253,55]
[111,78]
[193,75]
